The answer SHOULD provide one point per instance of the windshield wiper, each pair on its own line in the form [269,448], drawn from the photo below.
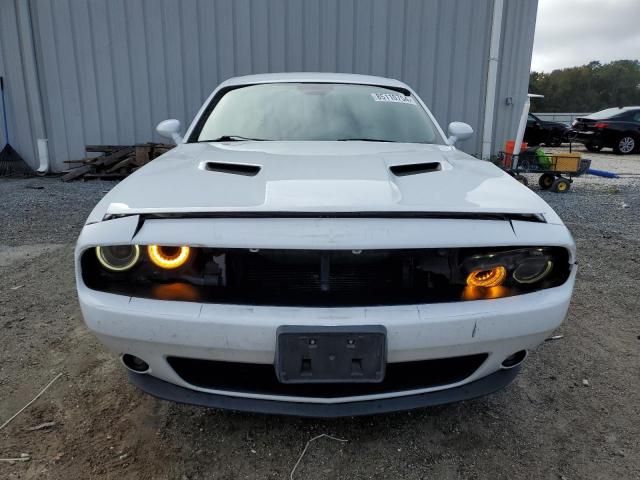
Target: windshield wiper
[233,138]
[364,140]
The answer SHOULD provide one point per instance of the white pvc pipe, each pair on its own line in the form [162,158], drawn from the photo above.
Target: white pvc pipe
[520,133]
[492,79]
[522,126]
[43,156]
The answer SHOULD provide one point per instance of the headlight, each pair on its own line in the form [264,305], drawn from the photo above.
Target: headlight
[532,270]
[168,257]
[118,258]
[521,267]
[492,277]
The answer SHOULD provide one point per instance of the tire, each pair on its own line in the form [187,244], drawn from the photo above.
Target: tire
[546,181]
[625,145]
[522,179]
[560,185]
[592,147]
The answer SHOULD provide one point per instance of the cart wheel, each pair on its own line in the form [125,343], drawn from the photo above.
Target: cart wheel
[561,185]
[522,179]
[546,180]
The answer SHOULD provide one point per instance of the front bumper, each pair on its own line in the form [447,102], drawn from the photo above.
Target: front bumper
[155,330]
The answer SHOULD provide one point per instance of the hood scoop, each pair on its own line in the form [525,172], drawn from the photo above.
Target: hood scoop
[233,168]
[415,168]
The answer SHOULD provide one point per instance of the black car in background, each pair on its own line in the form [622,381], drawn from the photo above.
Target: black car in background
[539,131]
[617,128]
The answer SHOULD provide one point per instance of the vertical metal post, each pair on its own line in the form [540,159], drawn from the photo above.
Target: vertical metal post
[492,79]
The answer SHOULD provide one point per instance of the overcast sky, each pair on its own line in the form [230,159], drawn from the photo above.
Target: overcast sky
[574,32]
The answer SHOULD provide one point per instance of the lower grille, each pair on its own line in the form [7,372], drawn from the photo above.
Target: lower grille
[261,379]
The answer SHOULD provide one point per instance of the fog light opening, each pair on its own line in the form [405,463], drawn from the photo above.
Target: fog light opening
[135,364]
[515,359]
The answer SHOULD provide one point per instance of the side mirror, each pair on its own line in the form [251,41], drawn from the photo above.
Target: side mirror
[458,131]
[170,129]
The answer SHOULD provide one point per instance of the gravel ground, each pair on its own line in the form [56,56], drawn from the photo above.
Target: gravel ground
[548,424]
[45,210]
[607,204]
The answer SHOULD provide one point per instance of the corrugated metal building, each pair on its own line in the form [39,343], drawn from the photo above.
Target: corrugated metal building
[107,71]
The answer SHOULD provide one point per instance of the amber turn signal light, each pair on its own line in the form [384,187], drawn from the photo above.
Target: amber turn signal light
[176,291]
[168,257]
[490,277]
[475,293]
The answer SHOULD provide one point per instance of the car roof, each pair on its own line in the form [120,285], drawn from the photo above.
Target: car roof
[312,77]
[619,109]
[609,112]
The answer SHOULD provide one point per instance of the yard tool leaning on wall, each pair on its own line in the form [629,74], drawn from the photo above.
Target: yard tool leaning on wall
[11,163]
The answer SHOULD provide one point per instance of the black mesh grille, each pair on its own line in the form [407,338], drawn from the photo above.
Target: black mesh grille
[262,272]
[332,278]
[261,379]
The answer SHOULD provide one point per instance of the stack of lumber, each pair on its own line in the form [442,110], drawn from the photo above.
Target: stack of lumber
[116,161]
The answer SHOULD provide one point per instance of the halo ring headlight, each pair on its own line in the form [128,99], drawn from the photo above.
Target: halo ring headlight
[118,258]
[168,258]
[532,271]
[488,277]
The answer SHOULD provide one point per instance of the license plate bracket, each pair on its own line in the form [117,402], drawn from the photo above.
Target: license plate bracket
[342,354]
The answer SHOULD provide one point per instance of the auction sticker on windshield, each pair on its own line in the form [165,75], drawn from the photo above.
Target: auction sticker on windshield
[393,97]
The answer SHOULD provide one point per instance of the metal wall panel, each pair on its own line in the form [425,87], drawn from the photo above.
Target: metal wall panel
[11,69]
[519,22]
[112,69]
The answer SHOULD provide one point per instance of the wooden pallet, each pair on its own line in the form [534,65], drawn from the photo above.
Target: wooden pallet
[116,161]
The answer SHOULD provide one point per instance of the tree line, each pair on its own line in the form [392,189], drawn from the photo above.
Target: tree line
[587,88]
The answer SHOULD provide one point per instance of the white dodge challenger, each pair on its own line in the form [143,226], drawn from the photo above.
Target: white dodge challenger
[315,245]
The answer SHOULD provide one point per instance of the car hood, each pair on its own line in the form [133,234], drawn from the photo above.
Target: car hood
[318,177]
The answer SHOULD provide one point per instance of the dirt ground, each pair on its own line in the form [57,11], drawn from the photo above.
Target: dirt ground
[549,424]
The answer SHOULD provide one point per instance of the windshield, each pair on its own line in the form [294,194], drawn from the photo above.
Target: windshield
[317,111]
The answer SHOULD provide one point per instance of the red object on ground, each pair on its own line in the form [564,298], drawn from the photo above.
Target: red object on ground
[508,151]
